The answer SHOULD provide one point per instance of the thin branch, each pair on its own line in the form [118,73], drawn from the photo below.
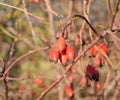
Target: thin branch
[23,56]
[86,8]
[109,8]
[63,31]
[115,13]
[2,61]
[112,84]
[11,51]
[50,9]
[6,88]
[44,40]
[115,42]
[51,18]
[42,20]
[29,22]
[80,16]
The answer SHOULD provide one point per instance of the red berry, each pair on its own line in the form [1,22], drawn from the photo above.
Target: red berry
[99,61]
[69,92]
[83,82]
[95,75]
[98,87]
[89,71]
[38,82]
[104,48]
[94,50]
[73,70]
[70,52]
[63,58]
[21,87]
[77,40]
[54,55]
[61,44]
[35,1]
[71,78]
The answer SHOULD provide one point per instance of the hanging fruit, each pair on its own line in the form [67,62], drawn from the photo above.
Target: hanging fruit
[95,75]
[61,44]
[35,1]
[99,61]
[54,55]
[69,92]
[77,40]
[98,86]
[103,48]
[71,78]
[93,50]
[63,58]
[38,82]
[92,73]
[70,52]
[89,71]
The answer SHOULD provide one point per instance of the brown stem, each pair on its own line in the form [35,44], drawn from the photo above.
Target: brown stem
[6,88]
[80,16]
[115,13]
[23,56]
[110,8]
[22,10]
[51,19]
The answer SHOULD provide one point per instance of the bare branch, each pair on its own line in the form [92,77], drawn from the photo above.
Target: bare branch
[23,56]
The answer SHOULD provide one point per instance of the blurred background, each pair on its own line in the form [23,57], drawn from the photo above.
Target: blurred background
[37,24]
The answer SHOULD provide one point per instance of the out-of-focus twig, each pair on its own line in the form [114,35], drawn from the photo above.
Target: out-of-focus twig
[115,42]
[87,4]
[42,20]
[11,51]
[80,16]
[23,56]
[45,40]
[50,9]
[112,84]
[109,8]
[6,88]
[115,13]
[6,32]
[30,23]
[70,12]
[51,18]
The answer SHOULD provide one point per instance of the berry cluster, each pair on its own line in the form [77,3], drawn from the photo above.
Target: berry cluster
[99,52]
[97,49]
[62,52]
